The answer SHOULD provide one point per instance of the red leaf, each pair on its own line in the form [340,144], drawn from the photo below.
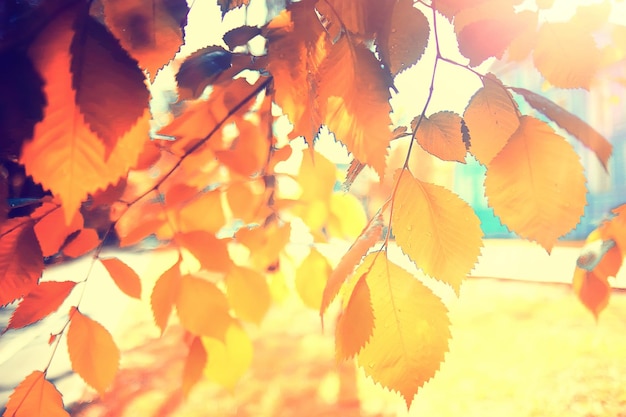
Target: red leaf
[93,353]
[592,290]
[51,229]
[35,396]
[46,298]
[85,241]
[125,278]
[21,261]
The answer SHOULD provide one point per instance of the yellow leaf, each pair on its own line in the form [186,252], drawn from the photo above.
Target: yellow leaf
[491,117]
[441,136]
[356,322]
[536,184]
[316,177]
[264,242]
[411,328]
[248,293]
[202,308]
[311,277]
[347,216]
[354,102]
[35,396]
[436,228]
[194,365]
[93,353]
[566,54]
[228,359]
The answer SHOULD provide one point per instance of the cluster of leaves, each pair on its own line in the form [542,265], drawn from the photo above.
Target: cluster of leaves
[218,193]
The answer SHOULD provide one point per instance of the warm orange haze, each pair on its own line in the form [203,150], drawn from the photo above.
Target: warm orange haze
[321,207]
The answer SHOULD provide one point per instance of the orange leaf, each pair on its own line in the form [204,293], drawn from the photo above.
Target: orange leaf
[491,117]
[44,299]
[404,37]
[246,201]
[35,396]
[593,291]
[441,136]
[21,261]
[150,31]
[370,235]
[575,126]
[250,152]
[264,242]
[356,323]
[311,278]
[93,353]
[558,53]
[411,328]
[124,277]
[354,102]
[533,196]
[194,365]
[164,295]
[203,213]
[211,252]
[86,241]
[202,307]
[110,89]
[248,293]
[51,229]
[64,155]
[436,228]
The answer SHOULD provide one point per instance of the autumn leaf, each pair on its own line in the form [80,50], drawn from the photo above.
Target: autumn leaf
[203,213]
[311,277]
[211,252]
[441,136]
[538,210]
[202,307]
[404,37]
[124,276]
[411,328]
[593,291]
[228,5]
[368,237]
[248,293]
[575,126]
[341,224]
[51,229]
[265,243]
[93,353]
[43,300]
[436,229]
[84,242]
[250,151]
[491,117]
[110,89]
[194,364]
[240,36]
[354,102]
[21,260]
[557,54]
[615,227]
[152,31]
[246,200]
[229,357]
[164,295]
[64,155]
[35,396]
[356,322]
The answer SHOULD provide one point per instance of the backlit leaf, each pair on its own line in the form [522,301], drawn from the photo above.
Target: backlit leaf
[311,277]
[84,242]
[230,358]
[151,31]
[559,51]
[51,229]
[368,237]
[356,322]
[202,308]
[354,102]
[21,261]
[441,136]
[203,213]
[194,365]
[124,276]
[316,177]
[248,293]
[540,210]
[44,299]
[575,126]
[110,89]
[211,252]
[93,353]
[164,295]
[411,328]
[593,291]
[35,396]
[404,38]
[436,229]
[347,216]
[265,243]
[491,117]
[250,151]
